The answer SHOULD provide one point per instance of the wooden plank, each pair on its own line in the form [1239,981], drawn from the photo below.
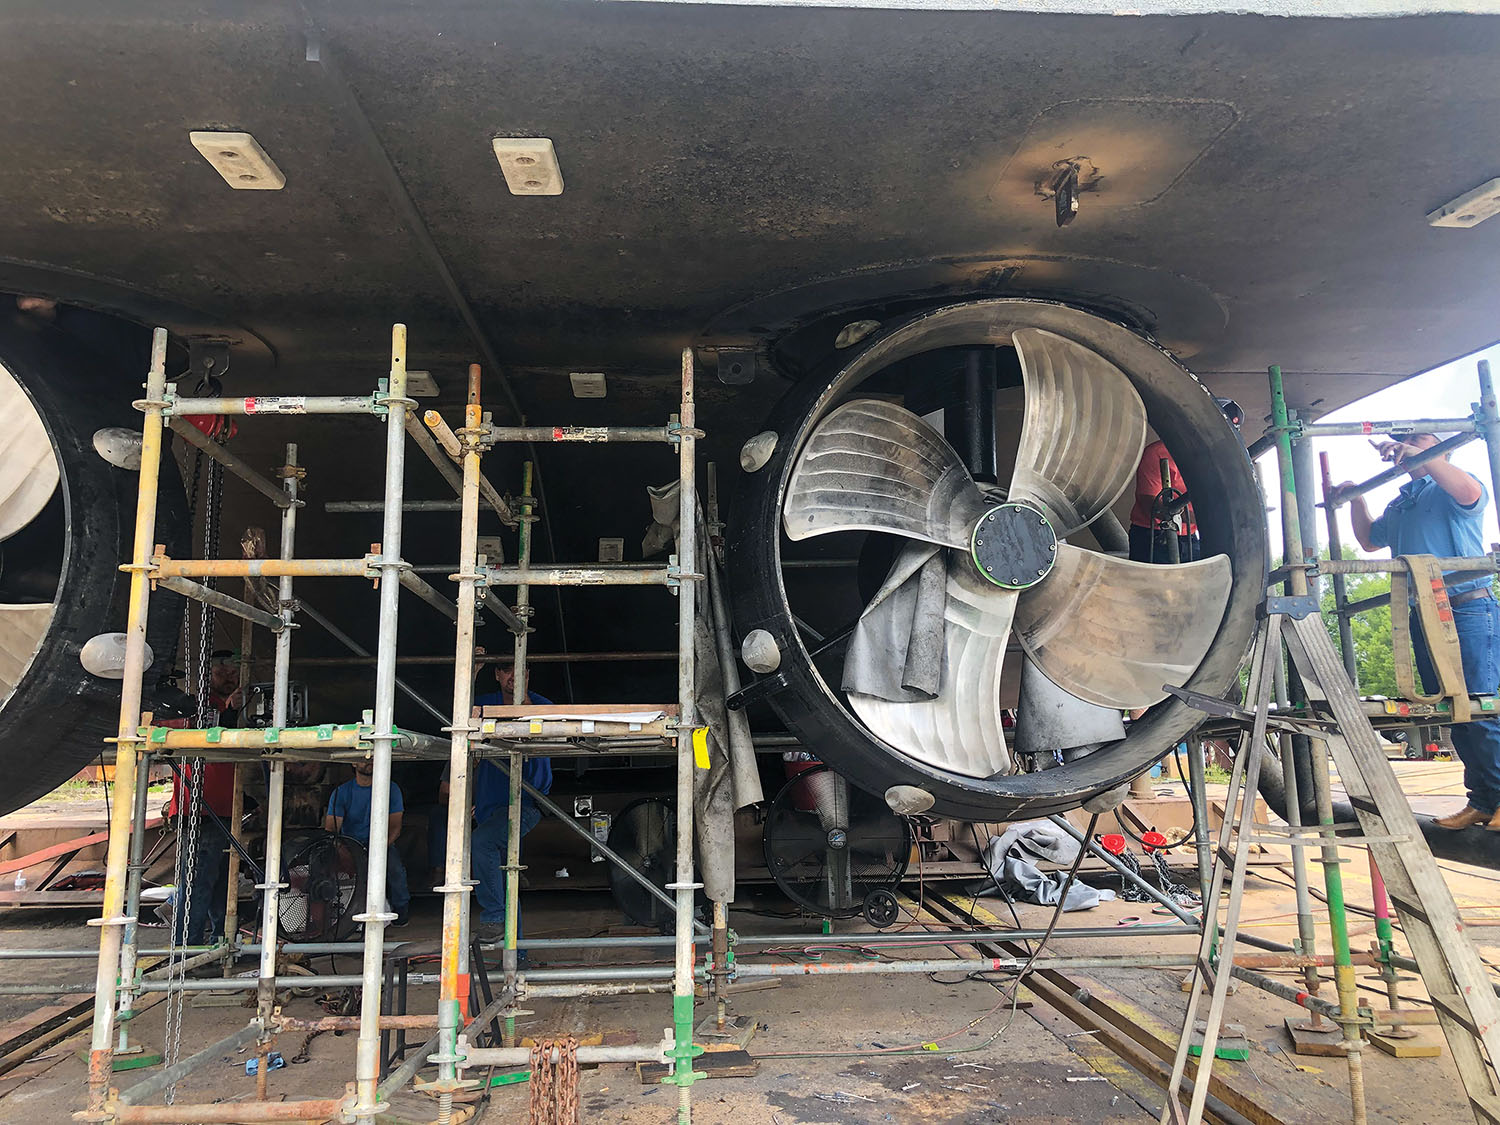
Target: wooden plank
[77,844]
[19,1032]
[711,1064]
[527,710]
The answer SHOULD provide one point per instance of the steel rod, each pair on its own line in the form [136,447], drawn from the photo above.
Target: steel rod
[521,1056]
[213,1113]
[520,691]
[199,440]
[1399,426]
[494,658]
[623,574]
[280,404]
[271,885]
[585,434]
[264,568]
[685,886]
[128,951]
[420,587]
[127,757]
[1396,472]
[351,507]
[1120,869]
[171,1075]
[646,941]
[1343,972]
[1487,409]
[1477,564]
[221,601]
[383,738]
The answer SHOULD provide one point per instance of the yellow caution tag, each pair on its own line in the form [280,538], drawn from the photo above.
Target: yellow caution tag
[700,748]
[536,726]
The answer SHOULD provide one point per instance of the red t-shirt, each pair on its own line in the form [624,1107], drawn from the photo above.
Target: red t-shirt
[1148,486]
[218,788]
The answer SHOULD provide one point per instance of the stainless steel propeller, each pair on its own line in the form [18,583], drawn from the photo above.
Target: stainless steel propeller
[28,479]
[1106,631]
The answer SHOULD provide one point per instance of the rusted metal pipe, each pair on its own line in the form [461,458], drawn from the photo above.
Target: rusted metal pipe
[265,568]
[351,1023]
[495,658]
[214,1113]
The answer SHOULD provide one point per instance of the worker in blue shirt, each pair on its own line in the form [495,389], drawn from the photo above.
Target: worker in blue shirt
[489,839]
[349,814]
[1440,512]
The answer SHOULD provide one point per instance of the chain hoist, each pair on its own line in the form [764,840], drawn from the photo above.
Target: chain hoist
[189,827]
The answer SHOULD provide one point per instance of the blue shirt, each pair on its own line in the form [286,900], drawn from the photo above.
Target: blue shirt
[1425,520]
[351,801]
[491,787]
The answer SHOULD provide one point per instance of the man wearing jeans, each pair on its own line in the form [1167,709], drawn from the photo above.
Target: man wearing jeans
[1440,512]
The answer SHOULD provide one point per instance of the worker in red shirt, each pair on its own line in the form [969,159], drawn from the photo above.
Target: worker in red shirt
[1153,523]
[1162,504]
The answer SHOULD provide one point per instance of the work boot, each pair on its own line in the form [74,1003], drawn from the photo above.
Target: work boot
[1465,818]
[489,933]
[1494,824]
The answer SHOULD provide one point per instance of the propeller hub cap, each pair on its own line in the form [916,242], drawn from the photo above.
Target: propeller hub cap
[1013,546]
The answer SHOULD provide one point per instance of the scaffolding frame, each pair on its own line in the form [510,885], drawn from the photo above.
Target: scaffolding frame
[511,737]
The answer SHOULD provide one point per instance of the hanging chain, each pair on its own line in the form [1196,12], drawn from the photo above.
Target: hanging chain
[188,823]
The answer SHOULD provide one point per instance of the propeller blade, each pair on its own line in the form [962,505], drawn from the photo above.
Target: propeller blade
[1112,632]
[28,471]
[874,466]
[1050,718]
[22,628]
[959,729]
[1083,433]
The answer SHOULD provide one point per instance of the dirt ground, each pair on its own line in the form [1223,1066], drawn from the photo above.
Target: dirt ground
[825,1044]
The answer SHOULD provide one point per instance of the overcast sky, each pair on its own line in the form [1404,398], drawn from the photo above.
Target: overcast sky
[1444,392]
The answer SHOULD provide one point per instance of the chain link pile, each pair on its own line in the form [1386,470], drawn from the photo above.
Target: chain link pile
[554,1086]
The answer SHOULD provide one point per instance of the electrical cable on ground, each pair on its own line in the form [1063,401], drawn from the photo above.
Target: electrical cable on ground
[1014,997]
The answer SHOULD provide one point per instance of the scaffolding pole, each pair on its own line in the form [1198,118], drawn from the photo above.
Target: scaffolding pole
[683,1051]
[453,987]
[389,564]
[112,920]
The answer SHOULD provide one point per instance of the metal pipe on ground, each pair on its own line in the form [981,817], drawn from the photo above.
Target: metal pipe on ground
[169,1076]
[232,1113]
[521,1056]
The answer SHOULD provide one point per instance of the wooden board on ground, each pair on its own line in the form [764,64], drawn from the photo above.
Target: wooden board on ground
[711,1064]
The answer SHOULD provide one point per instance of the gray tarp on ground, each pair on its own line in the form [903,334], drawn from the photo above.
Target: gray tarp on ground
[1010,861]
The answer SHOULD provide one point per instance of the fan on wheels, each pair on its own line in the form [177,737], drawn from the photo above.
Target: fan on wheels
[325,888]
[830,846]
